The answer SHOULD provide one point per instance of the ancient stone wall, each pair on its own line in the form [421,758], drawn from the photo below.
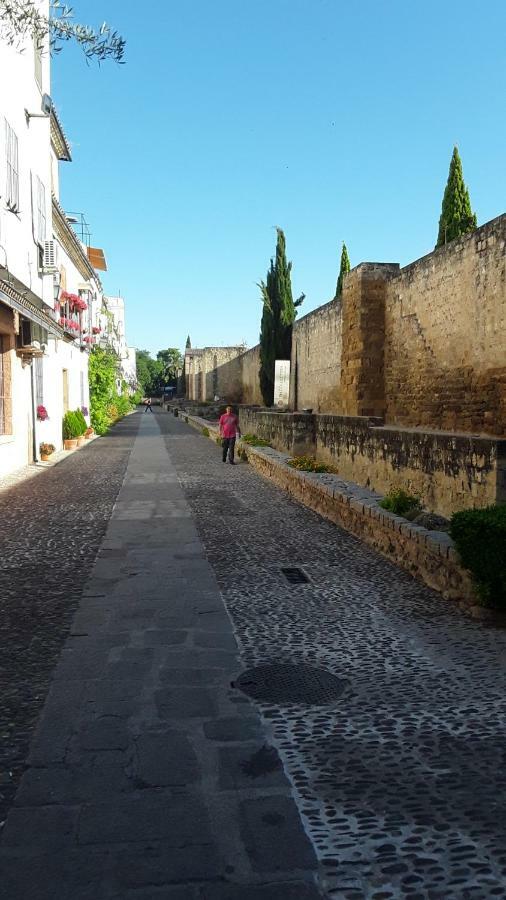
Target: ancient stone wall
[251,392]
[445,336]
[315,371]
[450,472]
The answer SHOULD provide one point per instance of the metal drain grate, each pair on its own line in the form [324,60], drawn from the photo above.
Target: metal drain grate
[294,575]
[291,684]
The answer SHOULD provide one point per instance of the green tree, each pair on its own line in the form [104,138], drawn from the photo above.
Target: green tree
[172,361]
[188,344]
[345,267]
[149,373]
[457,216]
[23,19]
[278,315]
[102,373]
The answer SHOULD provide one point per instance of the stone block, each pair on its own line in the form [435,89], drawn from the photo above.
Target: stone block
[174,820]
[185,703]
[273,835]
[165,759]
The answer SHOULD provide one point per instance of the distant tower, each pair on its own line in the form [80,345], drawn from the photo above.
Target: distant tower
[188,343]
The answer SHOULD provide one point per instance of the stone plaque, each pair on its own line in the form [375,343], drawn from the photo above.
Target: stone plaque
[281,382]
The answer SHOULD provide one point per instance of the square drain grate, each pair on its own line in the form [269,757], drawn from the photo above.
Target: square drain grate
[294,575]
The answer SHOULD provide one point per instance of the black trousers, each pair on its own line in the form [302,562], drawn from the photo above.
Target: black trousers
[148,407]
[228,445]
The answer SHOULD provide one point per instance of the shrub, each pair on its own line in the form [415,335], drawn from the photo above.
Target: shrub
[81,421]
[400,502]
[308,464]
[254,441]
[480,538]
[136,398]
[186,419]
[71,426]
[205,431]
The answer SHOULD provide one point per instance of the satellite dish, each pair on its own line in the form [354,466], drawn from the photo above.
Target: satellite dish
[46,104]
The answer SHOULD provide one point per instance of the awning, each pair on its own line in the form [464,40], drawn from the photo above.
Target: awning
[23,305]
[97,258]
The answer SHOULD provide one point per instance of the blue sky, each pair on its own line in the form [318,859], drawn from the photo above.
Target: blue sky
[333,120]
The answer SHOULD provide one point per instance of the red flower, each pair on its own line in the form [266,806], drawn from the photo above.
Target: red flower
[42,413]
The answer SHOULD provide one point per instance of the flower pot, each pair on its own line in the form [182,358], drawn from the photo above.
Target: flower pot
[89,433]
[46,457]
[81,440]
[70,443]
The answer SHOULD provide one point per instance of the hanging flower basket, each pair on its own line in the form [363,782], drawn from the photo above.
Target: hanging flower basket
[42,413]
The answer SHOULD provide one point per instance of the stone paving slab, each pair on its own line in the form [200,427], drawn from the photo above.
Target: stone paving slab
[148,776]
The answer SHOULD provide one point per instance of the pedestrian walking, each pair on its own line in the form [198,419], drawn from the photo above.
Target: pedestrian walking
[148,405]
[229,430]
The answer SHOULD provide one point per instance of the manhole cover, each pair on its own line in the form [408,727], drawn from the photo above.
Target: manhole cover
[291,684]
[294,575]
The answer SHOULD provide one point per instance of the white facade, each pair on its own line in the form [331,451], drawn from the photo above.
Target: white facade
[117,331]
[44,340]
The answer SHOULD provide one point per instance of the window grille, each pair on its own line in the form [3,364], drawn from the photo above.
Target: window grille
[41,212]
[12,187]
[39,381]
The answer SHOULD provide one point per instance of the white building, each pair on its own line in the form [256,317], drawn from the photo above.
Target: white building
[128,368]
[45,334]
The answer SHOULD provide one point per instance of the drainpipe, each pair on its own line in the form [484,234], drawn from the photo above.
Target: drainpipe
[34,413]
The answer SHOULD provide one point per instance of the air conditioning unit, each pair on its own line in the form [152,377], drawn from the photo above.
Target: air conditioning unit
[49,257]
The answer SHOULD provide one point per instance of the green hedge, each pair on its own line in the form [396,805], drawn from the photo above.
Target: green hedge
[480,538]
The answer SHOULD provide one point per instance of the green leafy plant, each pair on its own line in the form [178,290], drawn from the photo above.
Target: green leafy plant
[106,404]
[71,426]
[480,538]
[81,421]
[308,464]
[457,217]
[400,502]
[205,431]
[254,441]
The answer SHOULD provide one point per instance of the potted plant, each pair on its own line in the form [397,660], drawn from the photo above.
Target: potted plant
[71,430]
[82,425]
[46,451]
[42,413]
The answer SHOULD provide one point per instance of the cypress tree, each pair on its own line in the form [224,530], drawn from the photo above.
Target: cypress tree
[188,343]
[278,315]
[345,267]
[457,216]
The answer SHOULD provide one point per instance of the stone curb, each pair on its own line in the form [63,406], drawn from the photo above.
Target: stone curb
[429,556]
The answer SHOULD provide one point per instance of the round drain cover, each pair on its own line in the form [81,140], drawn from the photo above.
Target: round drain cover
[291,684]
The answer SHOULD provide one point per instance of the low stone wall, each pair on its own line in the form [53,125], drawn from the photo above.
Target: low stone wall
[450,471]
[429,556]
[293,432]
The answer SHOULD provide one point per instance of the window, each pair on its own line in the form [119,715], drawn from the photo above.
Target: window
[5,387]
[12,187]
[38,210]
[39,381]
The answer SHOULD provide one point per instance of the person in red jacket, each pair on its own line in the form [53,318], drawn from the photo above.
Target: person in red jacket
[229,429]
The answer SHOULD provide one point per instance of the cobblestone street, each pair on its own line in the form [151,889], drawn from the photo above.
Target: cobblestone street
[150,774]
[401,782]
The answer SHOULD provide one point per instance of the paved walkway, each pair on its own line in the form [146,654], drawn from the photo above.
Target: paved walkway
[149,775]
[401,781]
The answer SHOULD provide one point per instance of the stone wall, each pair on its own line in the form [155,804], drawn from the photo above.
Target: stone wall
[213,371]
[423,346]
[251,392]
[450,472]
[445,336]
[316,359]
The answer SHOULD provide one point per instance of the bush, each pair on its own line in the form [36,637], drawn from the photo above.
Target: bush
[71,426]
[308,464]
[254,441]
[81,421]
[480,538]
[400,502]
[205,431]
[136,398]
